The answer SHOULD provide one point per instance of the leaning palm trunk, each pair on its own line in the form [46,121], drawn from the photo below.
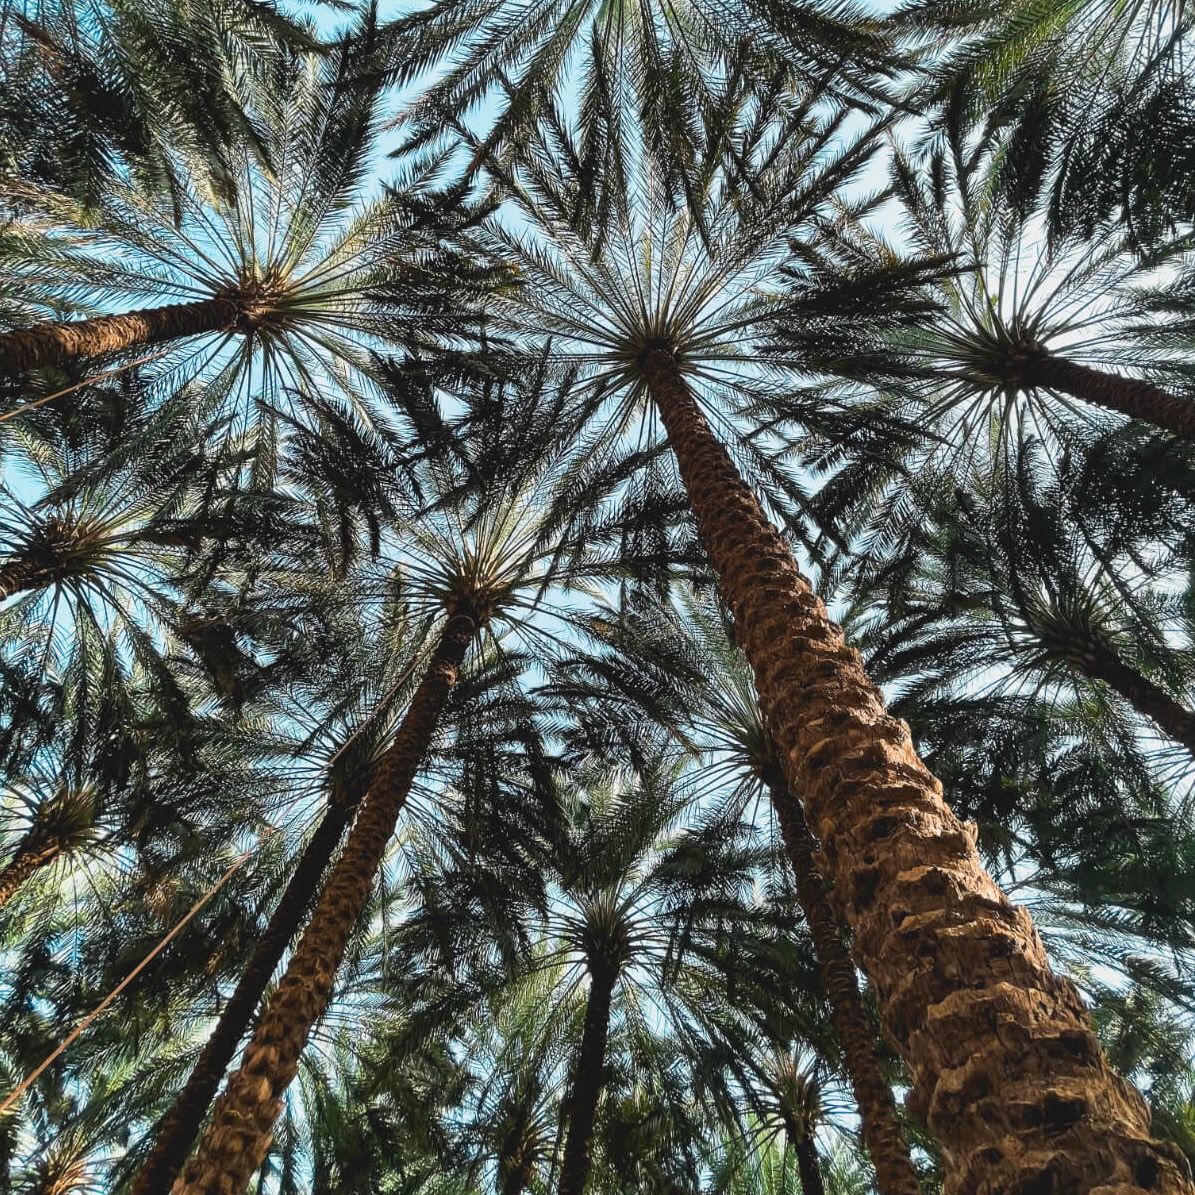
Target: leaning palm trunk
[57,344]
[35,852]
[18,575]
[238,1137]
[1170,716]
[1006,1070]
[1128,396]
[176,1130]
[587,1082]
[895,1174]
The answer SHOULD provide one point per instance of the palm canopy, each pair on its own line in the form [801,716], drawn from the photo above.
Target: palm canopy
[91,91]
[304,269]
[645,75]
[1086,105]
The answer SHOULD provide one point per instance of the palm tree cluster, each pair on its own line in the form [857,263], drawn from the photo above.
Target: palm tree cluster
[597,597]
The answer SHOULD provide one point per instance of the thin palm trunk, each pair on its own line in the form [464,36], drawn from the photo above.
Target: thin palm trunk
[1147,698]
[1128,396]
[587,1082]
[34,853]
[57,344]
[237,1139]
[895,1174]
[176,1130]
[808,1164]
[1006,1070]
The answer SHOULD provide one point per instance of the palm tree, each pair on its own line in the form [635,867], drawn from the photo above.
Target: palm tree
[1010,335]
[707,701]
[484,555]
[1018,581]
[640,889]
[660,322]
[288,281]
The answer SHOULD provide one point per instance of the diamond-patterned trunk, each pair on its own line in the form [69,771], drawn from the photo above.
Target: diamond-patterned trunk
[1007,1073]
[1128,396]
[237,1139]
[56,344]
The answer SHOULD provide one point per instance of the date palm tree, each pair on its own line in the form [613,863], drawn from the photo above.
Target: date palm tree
[1015,580]
[480,554]
[288,280]
[707,701]
[658,300]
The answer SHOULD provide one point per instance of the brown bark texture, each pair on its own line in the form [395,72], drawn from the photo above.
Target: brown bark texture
[175,1132]
[587,1081]
[19,574]
[56,344]
[895,1173]
[1129,396]
[237,1139]
[1007,1073]
[1148,699]
[32,855]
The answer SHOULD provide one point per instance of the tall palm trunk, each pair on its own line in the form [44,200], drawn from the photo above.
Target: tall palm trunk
[176,1131]
[1006,1069]
[1128,396]
[587,1081]
[56,344]
[237,1139]
[1147,698]
[895,1174]
[35,852]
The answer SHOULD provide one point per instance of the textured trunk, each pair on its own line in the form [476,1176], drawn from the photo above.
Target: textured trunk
[1128,396]
[808,1164]
[587,1082]
[56,344]
[1170,716]
[895,1174]
[18,575]
[1006,1070]
[238,1137]
[515,1174]
[176,1131]
[32,855]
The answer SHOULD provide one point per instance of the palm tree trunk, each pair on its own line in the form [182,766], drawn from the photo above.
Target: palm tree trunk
[32,855]
[587,1082]
[176,1131]
[56,344]
[1129,396]
[895,1174]
[18,574]
[1147,698]
[514,1174]
[1006,1070]
[808,1164]
[238,1137]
